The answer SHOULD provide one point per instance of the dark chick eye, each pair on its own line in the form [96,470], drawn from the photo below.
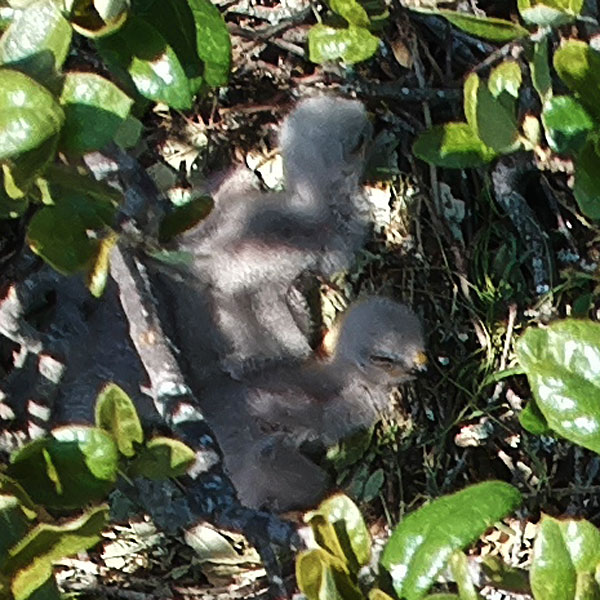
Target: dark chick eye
[385,362]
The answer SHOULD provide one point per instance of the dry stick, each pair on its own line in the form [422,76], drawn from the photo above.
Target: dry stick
[208,491]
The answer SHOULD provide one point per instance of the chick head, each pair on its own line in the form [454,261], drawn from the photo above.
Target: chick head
[383,339]
[323,142]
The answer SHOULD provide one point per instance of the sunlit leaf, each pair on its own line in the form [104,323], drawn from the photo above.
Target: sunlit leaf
[566,124]
[94,109]
[350,45]
[116,414]
[140,50]
[561,362]
[37,41]
[453,145]
[422,544]
[29,114]
[563,552]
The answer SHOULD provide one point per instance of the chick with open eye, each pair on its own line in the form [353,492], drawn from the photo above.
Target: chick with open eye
[234,306]
[264,423]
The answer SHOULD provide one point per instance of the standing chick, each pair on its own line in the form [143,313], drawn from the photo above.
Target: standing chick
[263,423]
[234,306]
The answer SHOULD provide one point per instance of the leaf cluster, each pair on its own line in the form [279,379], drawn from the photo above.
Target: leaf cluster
[167,51]
[568,122]
[73,468]
[565,562]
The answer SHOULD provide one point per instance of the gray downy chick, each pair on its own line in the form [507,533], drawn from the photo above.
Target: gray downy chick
[263,424]
[236,304]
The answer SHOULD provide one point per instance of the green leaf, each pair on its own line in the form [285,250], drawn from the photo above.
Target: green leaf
[322,576]
[14,523]
[563,552]
[212,42]
[99,271]
[504,577]
[549,13]
[350,45]
[587,180]
[140,50]
[31,561]
[422,544]
[339,528]
[533,420]
[98,18]
[453,145]
[561,362]
[177,26]
[162,458]
[566,124]
[492,119]
[37,41]
[540,70]
[67,235]
[184,217]
[94,109]
[29,115]
[459,566]
[70,468]
[578,65]
[116,414]
[489,28]
[352,11]
[505,78]
[373,485]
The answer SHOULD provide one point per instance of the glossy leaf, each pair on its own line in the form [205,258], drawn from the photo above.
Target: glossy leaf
[116,414]
[350,45]
[162,458]
[492,119]
[352,11]
[565,552]
[66,235]
[587,180]
[540,70]
[549,13]
[578,65]
[37,41]
[453,145]
[140,50]
[322,576]
[184,217]
[339,528]
[561,362]
[14,523]
[566,124]
[177,26]
[212,42]
[32,559]
[98,18]
[422,544]
[533,420]
[489,28]
[29,114]
[505,78]
[94,109]
[70,468]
